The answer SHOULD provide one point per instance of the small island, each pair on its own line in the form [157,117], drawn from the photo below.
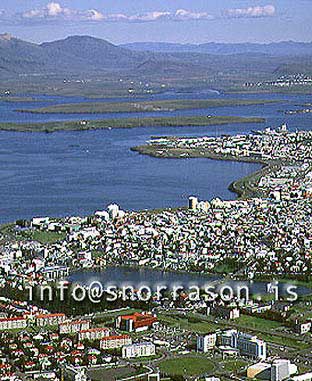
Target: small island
[143,106]
[17,99]
[83,125]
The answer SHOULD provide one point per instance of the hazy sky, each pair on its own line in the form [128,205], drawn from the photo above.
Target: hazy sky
[191,21]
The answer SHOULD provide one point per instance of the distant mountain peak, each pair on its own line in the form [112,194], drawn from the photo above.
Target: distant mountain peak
[81,38]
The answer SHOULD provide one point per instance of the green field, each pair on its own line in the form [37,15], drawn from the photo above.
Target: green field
[187,365]
[42,236]
[151,106]
[108,316]
[291,342]
[100,374]
[257,323]
[188,325]
[191,121]
[233,365]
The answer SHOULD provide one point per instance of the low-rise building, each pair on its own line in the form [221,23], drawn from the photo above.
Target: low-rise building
[136,322]
[259,371]
[113,342]
[13,323]
[49,319]
[93,334]
[73,326]
[55,272]
[138,350]
[302,327]
[226,312]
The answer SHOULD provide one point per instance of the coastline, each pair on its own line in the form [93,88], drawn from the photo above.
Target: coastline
[244,187]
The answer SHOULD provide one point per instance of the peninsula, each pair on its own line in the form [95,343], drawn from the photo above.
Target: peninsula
[264,147]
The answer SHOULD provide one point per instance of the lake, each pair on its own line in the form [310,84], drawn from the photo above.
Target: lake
[78,172]
[138,277]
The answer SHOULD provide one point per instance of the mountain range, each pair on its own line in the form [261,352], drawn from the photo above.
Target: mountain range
[89,55]
[284,48]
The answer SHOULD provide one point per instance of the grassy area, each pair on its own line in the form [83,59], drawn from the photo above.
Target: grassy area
[285,341]
[103,318]
[42,236]
[233,365]
[227,266]
[188,324]
[127,123]
[301,311]
[151,106]
[35,235]
[245,322]
[186,365]
[113,374]
[6,228]
[257,323]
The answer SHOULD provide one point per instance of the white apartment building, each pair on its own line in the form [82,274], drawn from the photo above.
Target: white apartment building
[13,323]
[206,342]
[138,350]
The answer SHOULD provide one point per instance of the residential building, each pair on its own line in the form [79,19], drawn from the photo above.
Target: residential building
[43,320]
[302,327]
[73,326]
[13,323]
[93,334]
[138,350]
[55,272]
[206,342]
[136,322]
[226,312]
[113,342]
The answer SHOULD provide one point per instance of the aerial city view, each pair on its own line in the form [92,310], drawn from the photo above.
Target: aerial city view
[156,190]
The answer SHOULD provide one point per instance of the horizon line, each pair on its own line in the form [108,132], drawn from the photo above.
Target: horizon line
[158,41]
